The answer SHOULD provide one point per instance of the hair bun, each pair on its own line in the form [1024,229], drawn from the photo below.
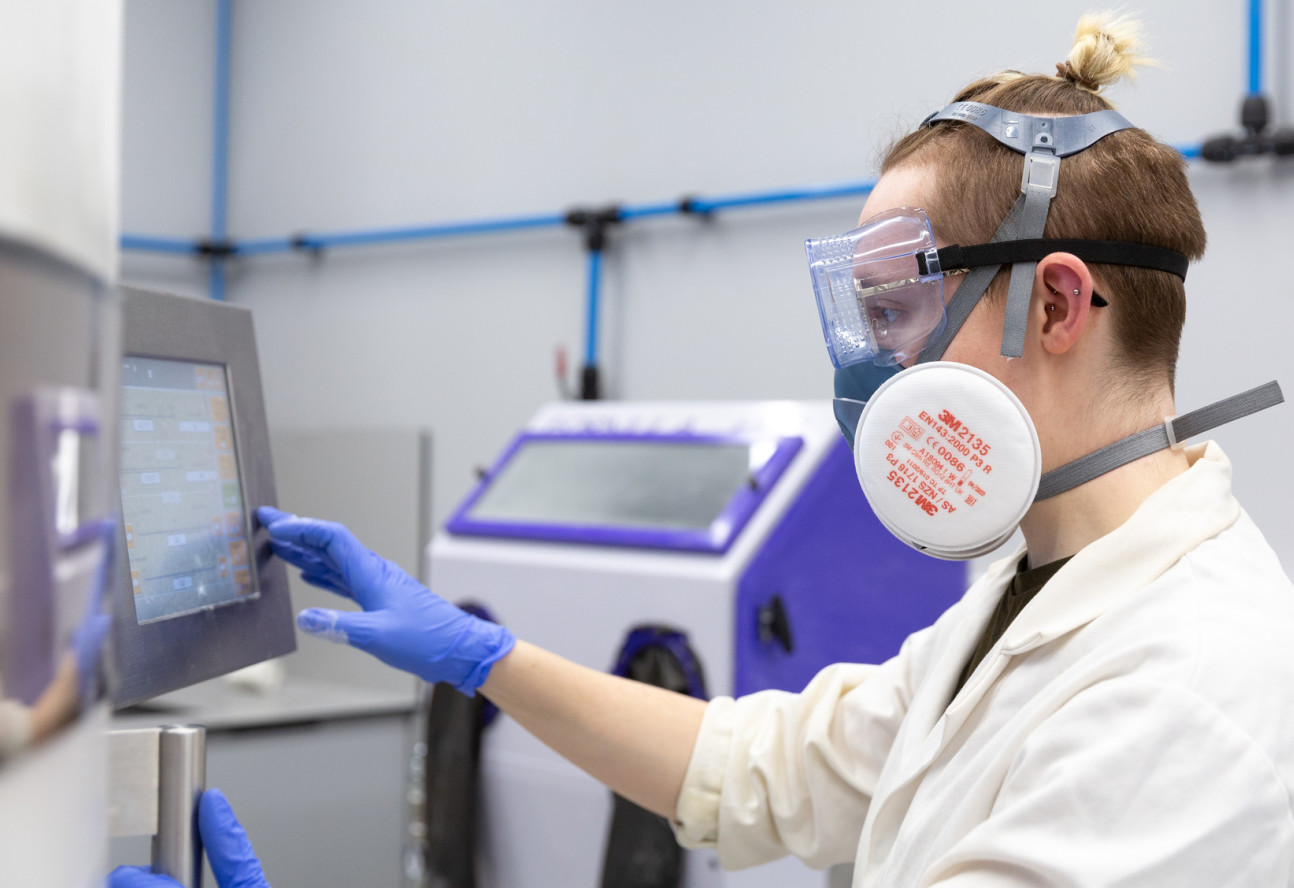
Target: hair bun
[1107,48]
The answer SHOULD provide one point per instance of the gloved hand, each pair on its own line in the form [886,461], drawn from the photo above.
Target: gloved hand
[228,851]
[404,623]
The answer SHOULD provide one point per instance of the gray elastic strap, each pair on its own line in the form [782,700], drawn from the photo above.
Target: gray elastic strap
[972,289]
[958,310]
[1134,447]
[1044,140]
[1012,129]
[1033,220]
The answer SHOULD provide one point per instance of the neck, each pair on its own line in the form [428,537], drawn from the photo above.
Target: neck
[1062,525]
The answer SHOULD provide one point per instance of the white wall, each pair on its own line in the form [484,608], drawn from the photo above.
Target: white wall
[350,115]
[169,61]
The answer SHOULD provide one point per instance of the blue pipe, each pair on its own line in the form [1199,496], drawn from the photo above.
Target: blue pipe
[216,278]
[149,244]
[594,285]
[1255,47]
[643,211]
[393,235]
[259,247]
[220,143]
[368,237]
[810,192]
[362,237]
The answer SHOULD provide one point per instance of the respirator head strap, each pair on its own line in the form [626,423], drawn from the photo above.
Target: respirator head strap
[1043,141]
[1070,135]
[1161,437]
[972,288]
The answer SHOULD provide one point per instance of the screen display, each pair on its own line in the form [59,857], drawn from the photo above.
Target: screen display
[637,484]
[181,489]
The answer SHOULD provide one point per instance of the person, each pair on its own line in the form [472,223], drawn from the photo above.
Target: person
[1106,704]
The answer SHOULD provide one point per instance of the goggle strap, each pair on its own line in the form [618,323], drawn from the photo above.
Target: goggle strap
[954,256]
[1161,437]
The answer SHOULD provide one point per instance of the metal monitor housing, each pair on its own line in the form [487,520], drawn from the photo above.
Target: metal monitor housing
[166,655]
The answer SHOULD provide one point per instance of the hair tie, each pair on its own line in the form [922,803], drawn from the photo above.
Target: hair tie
[1066,71]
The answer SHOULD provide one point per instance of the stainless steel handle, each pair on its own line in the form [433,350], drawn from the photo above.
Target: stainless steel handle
[158,776]
[182,777]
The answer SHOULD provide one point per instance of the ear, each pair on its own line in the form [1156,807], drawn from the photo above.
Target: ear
[1062,286]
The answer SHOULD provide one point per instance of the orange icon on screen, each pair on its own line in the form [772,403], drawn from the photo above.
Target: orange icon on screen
[224,440]
[134,582]
[228,468]
[210,378]
[219,409]
[243,582]
[238,552]
[130,536]
[222,567]
[234,524]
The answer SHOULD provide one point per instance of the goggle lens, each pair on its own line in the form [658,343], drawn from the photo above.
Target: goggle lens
[874,303]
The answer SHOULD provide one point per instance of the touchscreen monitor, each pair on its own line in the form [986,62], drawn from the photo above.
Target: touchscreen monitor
[198,592]
[181,489]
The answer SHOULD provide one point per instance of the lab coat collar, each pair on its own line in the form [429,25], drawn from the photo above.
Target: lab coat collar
[1188,510]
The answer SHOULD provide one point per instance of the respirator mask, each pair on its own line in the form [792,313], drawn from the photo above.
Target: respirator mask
[947,456]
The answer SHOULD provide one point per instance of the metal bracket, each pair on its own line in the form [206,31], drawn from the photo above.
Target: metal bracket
[157,777]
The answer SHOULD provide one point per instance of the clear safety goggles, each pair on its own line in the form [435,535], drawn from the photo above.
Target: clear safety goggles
[877,302]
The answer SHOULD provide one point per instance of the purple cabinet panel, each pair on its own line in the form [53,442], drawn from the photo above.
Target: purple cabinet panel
[832,585]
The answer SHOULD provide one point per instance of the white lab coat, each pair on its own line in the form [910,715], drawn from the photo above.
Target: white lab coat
[1134,726]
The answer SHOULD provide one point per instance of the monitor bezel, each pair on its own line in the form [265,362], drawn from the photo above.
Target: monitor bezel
[165,655]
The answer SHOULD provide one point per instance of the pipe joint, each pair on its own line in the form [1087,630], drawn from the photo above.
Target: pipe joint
[215,248]
[595,223]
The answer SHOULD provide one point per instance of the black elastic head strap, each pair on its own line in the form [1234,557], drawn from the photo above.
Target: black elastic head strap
[955,257]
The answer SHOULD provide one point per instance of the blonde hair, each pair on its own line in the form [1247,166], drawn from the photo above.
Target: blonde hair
[1107,48]
[1126,187]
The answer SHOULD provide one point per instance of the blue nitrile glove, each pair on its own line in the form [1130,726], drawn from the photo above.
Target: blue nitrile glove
[228,851]
[404,623]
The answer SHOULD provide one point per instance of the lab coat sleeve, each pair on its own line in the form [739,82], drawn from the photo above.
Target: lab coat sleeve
[774,773]
[1132,783]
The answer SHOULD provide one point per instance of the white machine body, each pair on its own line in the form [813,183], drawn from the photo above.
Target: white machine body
[545,821]
[60,75]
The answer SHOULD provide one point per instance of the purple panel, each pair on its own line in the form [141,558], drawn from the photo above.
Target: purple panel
[46,584]
[851,591]
[29,620]
[725,528]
